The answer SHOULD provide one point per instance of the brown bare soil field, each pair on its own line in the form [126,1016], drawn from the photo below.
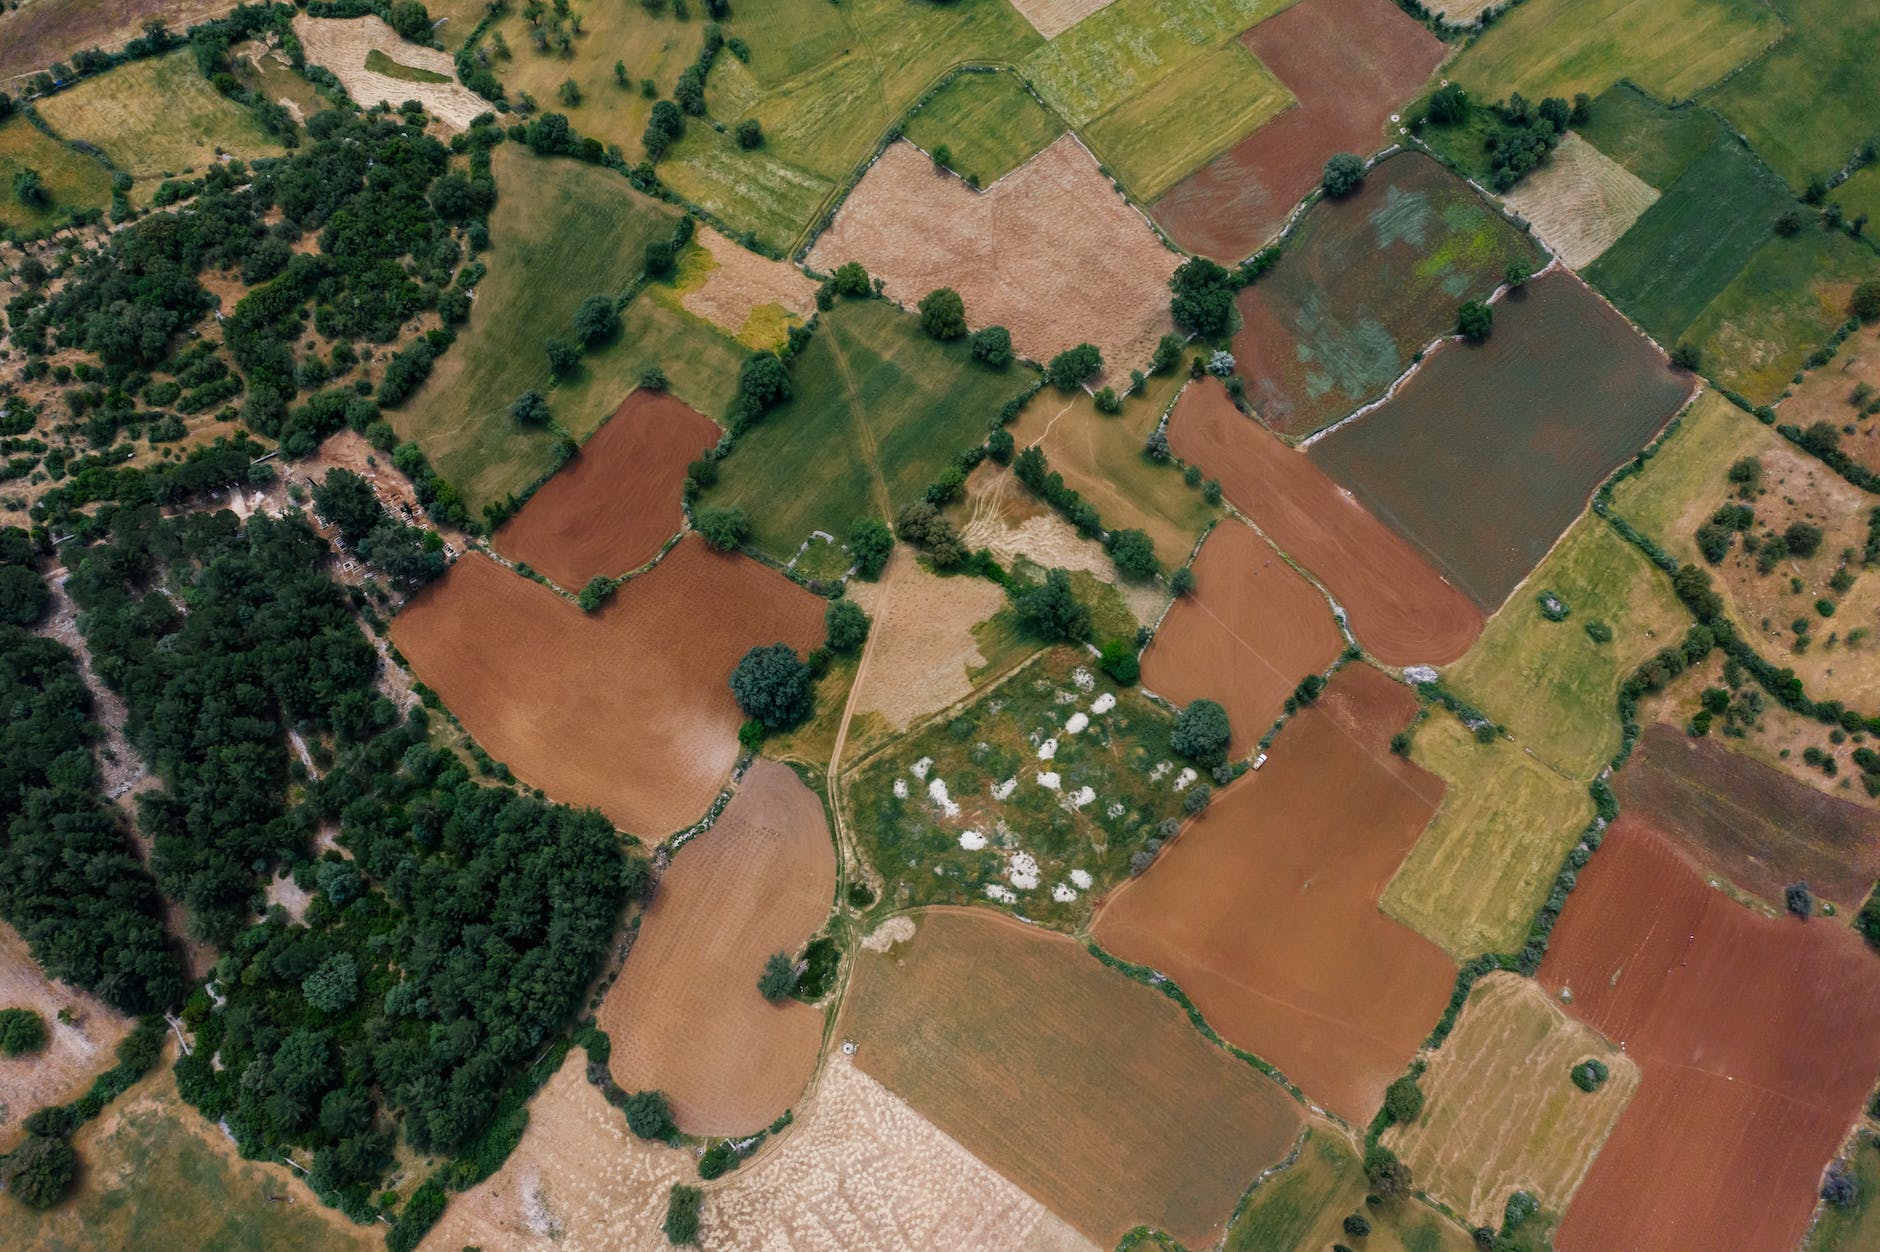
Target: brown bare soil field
[626,709]
[1350,64]
[1758,1038]
[1265,909]
[1826,395]
[1007,251]
[35,34]
[857,1169]
[1501,1112]
[923,655]
[1400,608]
[1086,1088]
[612,507]
[741,283]
[1252,629]
[1580,200]
[73,1055]
[1751,823]
[1053,17]
[685,1014]
[341,45]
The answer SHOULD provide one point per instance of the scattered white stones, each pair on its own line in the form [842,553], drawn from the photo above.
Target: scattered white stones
[1002,893]
[1081,877]
[1081,797]
[1103,703]
[1047,749]
[1183,779]
[1116,810]
[900,788]
[1004,790]
[1049,780]
[1023,871]
[1160,772]
[1085,680]
[1065,697]
[1076,724]
[1063,894]
[919,768]
[1420,673]
[937,792]
[972,840]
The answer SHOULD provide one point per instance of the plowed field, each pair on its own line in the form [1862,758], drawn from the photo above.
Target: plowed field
[1400,608]
[627,709]
[1265,909]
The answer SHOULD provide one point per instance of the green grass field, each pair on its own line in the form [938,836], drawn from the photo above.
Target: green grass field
[1860,194]
[1654,141]
[1549,683]
[72,180]
[266,71]
[1301,1208]
[379,63]
[991,123]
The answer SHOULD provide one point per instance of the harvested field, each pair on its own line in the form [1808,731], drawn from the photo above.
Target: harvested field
[1502,1114]
[1364,285]
[564,696]
[989,122]
[1252,629]
[72,181]
[1749,822]
[1758,1039]
[685,1015]
[753,299]
[985,1026]
[1489,453]
[924,653]
[1400,608]
[1302,1208]
[859,1168]
[1580,201]
[1052,17]
[612,507]
[1349,64]
[35,34]
[1265,909]
[343,46]
[1006,252]
[74,1054]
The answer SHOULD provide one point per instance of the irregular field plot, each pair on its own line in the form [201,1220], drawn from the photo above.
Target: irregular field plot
[1302,1208]
[612,507]
[1749,822]
[1252,629]
[1490,451]
[1827,395]
[1265,909]
[347,46]
[33,36]
[74,1054]
[1399,607]
[72,181]
[627,709]
[1809,104]
[1654,141]
[1089,1090]
[1364,284]
[1349,64]
[1501,1112]
[1580,201]
[990,122]
[1007,253]
[685,1015]
[1758,1039]
[752,298]
[1052,17]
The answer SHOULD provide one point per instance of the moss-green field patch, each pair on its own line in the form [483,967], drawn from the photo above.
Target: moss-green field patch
[72,180]
[1303,1206]
[379,63]
[991,123]
[1655,141]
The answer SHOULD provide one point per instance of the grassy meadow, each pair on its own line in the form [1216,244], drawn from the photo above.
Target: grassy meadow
[991,123]
[1654,141]
[72,180]
[1809,103]
[1301,1208]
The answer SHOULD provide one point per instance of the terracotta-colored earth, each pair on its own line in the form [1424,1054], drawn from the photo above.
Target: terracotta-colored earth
[628,709]
[1349,63]
[612,507]
[1758,1037]
[1399,607]
[685,1015]
[1265,909]
[1252,629]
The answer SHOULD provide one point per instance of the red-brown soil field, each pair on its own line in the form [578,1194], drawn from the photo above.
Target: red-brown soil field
[1749,822]
[1349,63]
[1758,1038]
[1087,1089]
[1265,909]
[1252,629]
[685,1015]
[628,709]
[1399,607]
[35,34]
[612,507]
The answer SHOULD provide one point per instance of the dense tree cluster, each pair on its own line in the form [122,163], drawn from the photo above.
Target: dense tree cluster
[1203,300]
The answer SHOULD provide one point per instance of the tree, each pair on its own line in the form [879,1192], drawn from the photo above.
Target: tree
[1582,109]
[570,92]
[682,1205]
[599,591]
[999,446]
[750,134]
[1802,539]
[870,541]
[658,259]
[1344,173]
[943,314]
[1182,581]
[23,596]
[1866,301]
[1389,1178]
[772,684]
[28,188]
[530,409]
[763,384]
[409,18]
[779,977]
[663,129]
[21,1031]
[1687,356]
[1449,105]
[1518,273]
[1203,299]
[1108,402]
[1356,1225]
[846,624]
[348,502]
[1475,321]
[942,157]
[1069,368]
[1840,1186]
[1119,661]
[334,986]
[1052,610]
[39,1172]
[850,279]
[724,529]
[1799,899]
[621,77]
[649,1116]
[596,321]
[1201,733]
[1403,1100]
[562,355]
[1134,553]
[993,346]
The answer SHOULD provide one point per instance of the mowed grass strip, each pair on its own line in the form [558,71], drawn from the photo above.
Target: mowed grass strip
[1302,1208]
[991,123]
[72,181]
[1086,1088]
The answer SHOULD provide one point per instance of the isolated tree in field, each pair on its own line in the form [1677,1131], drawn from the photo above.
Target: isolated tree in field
[570,92]
[530,408]
[870,542]
[1475,321]
[724,529]
[621,77]
[348,502]
[1203,299]
[779,977]
[21,1031]
[562,356]
[846,624]
[1802,539]
[39,1172]
[649,1116]
[682,1205]
[993,346]
[1201,733]
[1799,899]
[943,314]
[750,134]
[1053,611]
[1069,368]
[1343,174]
[28,189]
[596,321]
[773,685]
[850,279]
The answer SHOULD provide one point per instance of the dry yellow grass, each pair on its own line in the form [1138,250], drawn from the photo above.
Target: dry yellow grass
[924,653]
[342,44]
[74,1054]
[1581,200]
[751,298]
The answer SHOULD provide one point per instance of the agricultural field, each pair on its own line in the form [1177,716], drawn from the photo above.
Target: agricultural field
[1318,336]
[613,507]
[1004,250]
[75,1051]
[991,123]
[685,1015]
[1581,201]
[1757,1039]
[1501,1113]
[1302,1207]
[564,696]
[1488,858]
[1834,394]
[1398,606]
[984,1026]
[375,65]
[1860,194]
[1265,910]
[1655,141]
[1490,451]
[1348,64]
[35,34]
[268,72]
[1249,633]
[1038,797]
[73,182]
[753,299]
[880,409]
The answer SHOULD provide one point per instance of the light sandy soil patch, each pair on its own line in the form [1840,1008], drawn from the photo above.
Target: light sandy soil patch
[1501,1112]
[749,297]
[1460,12]
[1053,17]
[1050,252]
[858,1169]
[74,1054]
[341,45]
[685,1015]
[923,653]
[1581,200]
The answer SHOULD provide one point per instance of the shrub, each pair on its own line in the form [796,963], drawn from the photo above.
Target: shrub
[1599,632]
[723,529]
[1589,1074]
[649,1116]
[1521,1206]
[1475,321]
[1118,660]
[21,1031]
[993,347]
[1344,174]
[750,134]
[1799,899]
[772,684]
[870,541]
[530,409]
[39,1172]
[779,977]
[1840,1186]
[943,314]
[682,1205]
[1069,368]
[1201,733]
[599,590]
[1802,539]
[847,626]
[1403,1100]
[1355,1224]
[1687,357]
